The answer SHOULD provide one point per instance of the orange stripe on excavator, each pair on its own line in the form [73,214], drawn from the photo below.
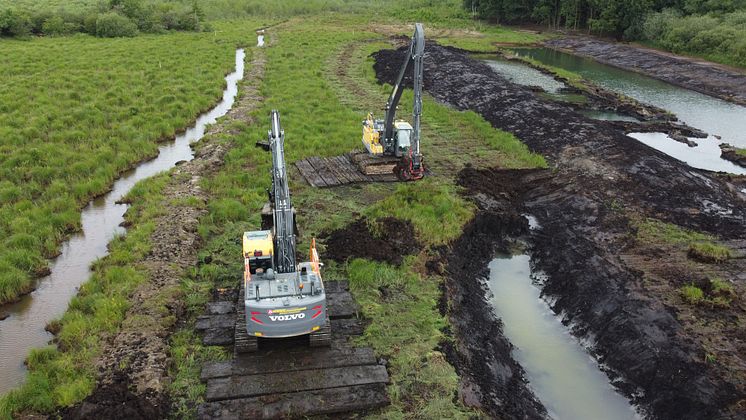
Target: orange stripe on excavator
[314,257]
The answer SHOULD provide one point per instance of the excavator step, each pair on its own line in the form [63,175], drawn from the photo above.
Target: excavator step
[349,168]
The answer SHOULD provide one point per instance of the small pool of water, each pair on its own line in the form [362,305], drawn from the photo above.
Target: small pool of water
[561,373]
[706,155]
[522,74]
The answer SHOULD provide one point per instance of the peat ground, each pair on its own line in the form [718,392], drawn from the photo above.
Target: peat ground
[601,183]
[387,239]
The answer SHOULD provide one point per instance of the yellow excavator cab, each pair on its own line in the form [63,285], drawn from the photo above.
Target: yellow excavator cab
[258,248]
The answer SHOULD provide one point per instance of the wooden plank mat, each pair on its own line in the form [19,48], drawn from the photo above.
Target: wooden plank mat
[319,402]
[337,170]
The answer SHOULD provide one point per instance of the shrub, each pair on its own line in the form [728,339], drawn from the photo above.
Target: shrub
[14,23]
[53,26]
[658,24]
[112,25]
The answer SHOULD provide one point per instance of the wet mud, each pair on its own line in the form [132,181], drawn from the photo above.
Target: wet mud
[704,77]
[490,378]
[386,239]
[117,401]
[601,179]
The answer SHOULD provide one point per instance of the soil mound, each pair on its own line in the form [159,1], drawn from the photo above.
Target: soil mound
[116,401]
[389,240]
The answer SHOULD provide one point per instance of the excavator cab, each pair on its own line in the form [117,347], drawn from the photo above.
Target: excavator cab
[403,134]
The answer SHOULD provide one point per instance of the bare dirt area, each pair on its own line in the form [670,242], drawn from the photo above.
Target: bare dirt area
[133,365]
[387,240]
[708,78]
[601,182]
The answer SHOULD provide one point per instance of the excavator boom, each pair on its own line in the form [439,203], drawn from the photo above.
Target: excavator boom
[414,59]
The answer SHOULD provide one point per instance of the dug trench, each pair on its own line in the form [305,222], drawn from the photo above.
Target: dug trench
[600,277]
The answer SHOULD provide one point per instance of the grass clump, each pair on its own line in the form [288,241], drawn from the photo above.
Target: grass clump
[434,208]
[692,294]
[659,231]
[709,252]
[715,293]
[701,247]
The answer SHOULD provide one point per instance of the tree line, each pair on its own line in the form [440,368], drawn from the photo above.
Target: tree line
[712,28]
[112,18]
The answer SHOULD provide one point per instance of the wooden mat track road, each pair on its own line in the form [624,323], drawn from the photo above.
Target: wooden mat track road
[288,379]
[337,170]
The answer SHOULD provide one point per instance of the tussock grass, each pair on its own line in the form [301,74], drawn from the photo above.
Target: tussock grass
[75,112]
[719,294]
[709,252]
[692,294]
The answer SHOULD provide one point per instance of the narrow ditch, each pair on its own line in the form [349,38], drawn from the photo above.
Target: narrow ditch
[24,327]
[561,373]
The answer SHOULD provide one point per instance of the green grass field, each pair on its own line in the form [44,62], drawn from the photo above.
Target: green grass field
[76,112]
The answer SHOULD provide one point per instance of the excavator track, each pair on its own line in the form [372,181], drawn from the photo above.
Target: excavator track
[243,342]
[322,337]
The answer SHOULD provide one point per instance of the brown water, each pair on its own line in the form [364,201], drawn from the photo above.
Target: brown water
[560,371]
[23,330]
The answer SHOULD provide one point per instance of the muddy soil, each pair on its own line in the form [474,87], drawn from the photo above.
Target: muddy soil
[601,180]
[708,78]
[117,401]
[386,239]
[133,366]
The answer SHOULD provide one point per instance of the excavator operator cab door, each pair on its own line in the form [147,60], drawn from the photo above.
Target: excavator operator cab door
[403,135]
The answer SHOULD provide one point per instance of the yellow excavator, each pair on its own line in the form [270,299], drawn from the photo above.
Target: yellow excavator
[395,144]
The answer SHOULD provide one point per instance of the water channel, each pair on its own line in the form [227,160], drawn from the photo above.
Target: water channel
[23,329]
[712,115]
[560,371]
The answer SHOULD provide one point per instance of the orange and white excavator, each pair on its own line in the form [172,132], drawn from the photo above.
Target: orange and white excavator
[281,298]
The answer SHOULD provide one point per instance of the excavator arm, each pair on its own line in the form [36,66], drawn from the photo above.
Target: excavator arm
[414,58]
[284,236]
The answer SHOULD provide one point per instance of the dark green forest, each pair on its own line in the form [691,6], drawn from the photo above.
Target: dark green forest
[711,28]
[112,18]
